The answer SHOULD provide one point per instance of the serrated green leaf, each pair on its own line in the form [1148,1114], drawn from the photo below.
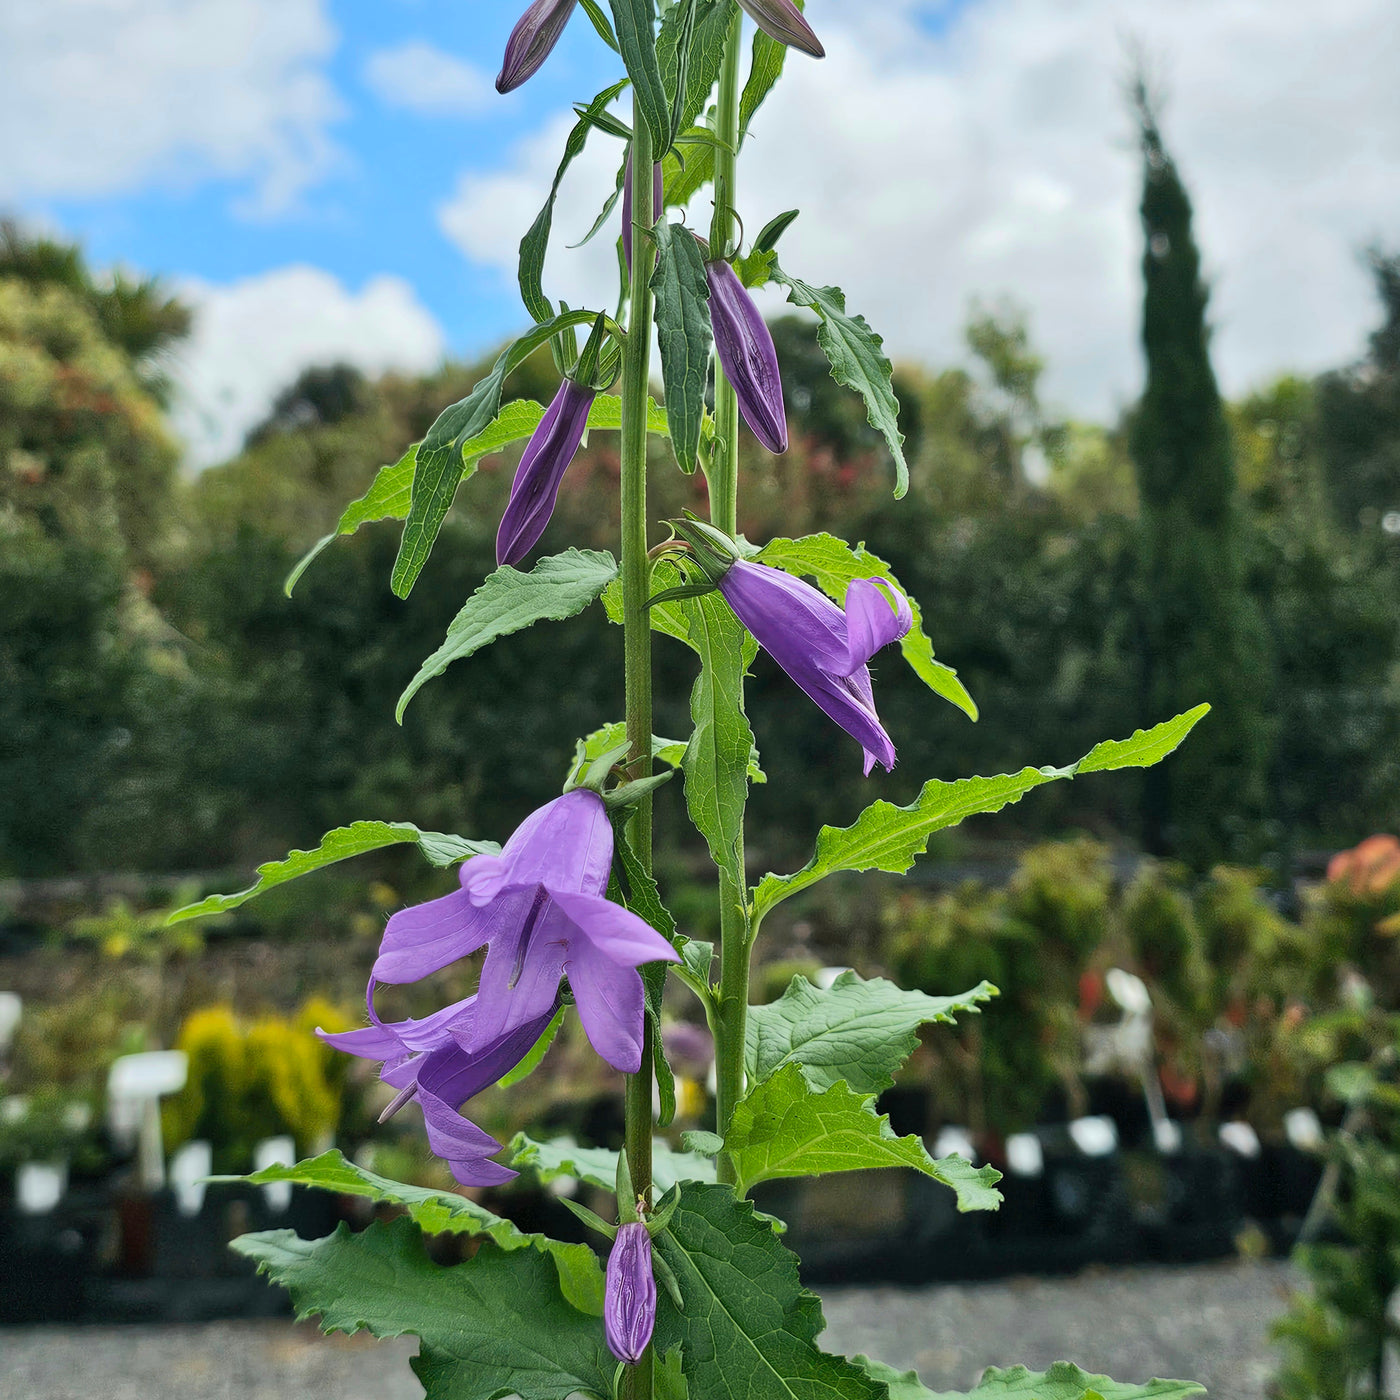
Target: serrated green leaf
[508,600]
[537,1052]
[598,1165]
[858,360]
[683,181]
[684,335]
[634,24]
[858,1030]
[437,471]
[748,1329]
[903,1385]
[669,1379]
[765,68]
[436,1212]
[836,565]
[495,1325]
[1064,1381]
[706,55]
[886,837]
[781,1128]
[535,243]
[345,841]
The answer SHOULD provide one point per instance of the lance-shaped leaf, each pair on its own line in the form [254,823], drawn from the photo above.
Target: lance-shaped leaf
[437,469]
[765,69]
[1066,1382]
[436,1212]
[535,244]
[886,837]
[835,565]
[497,1325]
[683,182]
[857,358]
[345,841]
[598,1165]
[635,24]
[683,334]
[748,1328]
[780,1128]
[856,1031]
[690,82]
[508,600]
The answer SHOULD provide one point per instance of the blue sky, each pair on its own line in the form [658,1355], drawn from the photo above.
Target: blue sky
[337,178]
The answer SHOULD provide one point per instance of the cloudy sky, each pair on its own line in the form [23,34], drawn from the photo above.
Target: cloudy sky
[337,179]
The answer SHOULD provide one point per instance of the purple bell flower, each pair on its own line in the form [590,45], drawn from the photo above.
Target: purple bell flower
[744,345]
[658,197]
[823,648]
[629,1300]
[783,21]
[533,493]
[426,1060]
[531,40]
[539,907]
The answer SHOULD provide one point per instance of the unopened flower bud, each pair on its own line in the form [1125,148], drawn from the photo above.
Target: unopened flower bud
[531,40]
[745,348]
[629,1301]
[657,198]
[783,21]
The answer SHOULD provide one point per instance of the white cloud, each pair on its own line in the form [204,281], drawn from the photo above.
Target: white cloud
[106,96]
[998,158]
[252,338]
[424,79]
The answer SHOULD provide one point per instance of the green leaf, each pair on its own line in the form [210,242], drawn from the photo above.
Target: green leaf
[705,57]
[340,844]
[496,1325]
[598,1165]
[437,471]
[858,361]
[1066,1382]
[903,1385]
[748,1328]
[634,24]
[437,1212]
[669,1380]
[858,1031]
[886,837]
[683,334]
[780,1128]
[836,565]
[508,601]
[600,22]
[683,182]
[538,1051]
[765,68]
[612,737]
[535,244]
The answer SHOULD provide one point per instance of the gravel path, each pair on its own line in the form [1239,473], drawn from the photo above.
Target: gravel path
[1207,1322]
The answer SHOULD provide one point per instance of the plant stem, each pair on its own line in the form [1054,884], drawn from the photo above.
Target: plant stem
[724,491]
[636,585]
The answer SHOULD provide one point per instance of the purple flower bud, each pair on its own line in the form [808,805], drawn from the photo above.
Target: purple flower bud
[546,458]
[657,198]
[745,349]
[531,40]
[782,20]
[629,1302]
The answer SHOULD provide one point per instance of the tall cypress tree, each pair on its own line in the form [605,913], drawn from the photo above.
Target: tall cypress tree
[1202,638]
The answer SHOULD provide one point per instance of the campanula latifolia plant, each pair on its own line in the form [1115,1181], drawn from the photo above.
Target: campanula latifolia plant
[699,1294]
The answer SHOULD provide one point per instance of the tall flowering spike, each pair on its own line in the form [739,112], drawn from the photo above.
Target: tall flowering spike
[783,21]
[540,910]
[823,649]
[547,456]
[629,1301]
[744,345]
[658,196]
[531,40]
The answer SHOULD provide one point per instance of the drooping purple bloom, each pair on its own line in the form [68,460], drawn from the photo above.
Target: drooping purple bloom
[427,1060]
[629,1300]
[539,909]
[531,40]
[744,345]
[823,648]
[533,493]
[658,196]
[783,21]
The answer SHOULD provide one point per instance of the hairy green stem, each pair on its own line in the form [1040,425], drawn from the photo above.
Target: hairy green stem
[724,491]
[636,585]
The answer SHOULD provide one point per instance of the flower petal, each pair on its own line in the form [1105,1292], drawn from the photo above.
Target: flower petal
[872,621]
[793,622]
[565,845]
[520,978]
[611,1004]
[616,932]
[428,936]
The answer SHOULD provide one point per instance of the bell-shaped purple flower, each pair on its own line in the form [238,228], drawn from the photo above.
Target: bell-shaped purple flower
[531,40]
[783,21]
[629,1300]
[744,345]
[823,648]
[658,196]
[539,909]
[533,493]
[426,1060]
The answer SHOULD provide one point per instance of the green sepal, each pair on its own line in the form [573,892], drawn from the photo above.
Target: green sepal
[589,1218]
[629,794]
